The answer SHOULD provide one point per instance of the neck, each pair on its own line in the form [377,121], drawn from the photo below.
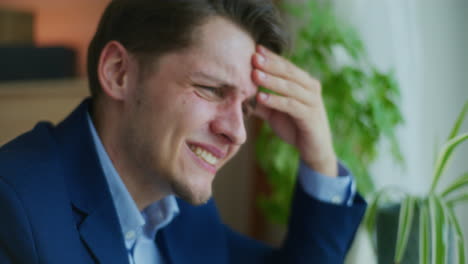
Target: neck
[144,187]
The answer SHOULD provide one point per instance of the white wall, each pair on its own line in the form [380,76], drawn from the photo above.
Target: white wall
[426,42]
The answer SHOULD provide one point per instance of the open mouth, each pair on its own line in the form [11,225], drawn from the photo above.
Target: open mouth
[204,154]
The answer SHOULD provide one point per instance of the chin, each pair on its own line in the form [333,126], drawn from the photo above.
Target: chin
[192,193]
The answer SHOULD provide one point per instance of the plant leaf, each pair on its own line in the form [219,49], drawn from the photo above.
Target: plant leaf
[459,122]
[404,227]
[445,226]
[371,212]
[444,156]
[461,251]
[424,236]
[439,246]
[459,237]
[457,184]
[460,198]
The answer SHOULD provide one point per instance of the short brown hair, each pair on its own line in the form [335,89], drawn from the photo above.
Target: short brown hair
[155,27]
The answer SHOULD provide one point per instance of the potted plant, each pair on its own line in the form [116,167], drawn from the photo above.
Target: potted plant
[361,102]
[428,221]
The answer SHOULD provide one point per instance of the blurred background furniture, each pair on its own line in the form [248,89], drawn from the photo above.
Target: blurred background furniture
[27,62]
[21,59]
[16,26]
[23,104]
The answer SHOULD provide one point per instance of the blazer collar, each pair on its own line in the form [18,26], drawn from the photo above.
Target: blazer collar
[89,192]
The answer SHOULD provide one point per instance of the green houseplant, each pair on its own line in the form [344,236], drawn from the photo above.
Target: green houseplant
[361,103]
[430,219]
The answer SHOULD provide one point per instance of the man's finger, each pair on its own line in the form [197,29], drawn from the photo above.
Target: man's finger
[283,87]
[276,65]
[292,107]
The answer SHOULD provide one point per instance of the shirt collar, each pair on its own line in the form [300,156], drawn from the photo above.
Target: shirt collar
[159,214]
[133,223]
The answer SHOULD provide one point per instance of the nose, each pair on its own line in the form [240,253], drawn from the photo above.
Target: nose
[229,124]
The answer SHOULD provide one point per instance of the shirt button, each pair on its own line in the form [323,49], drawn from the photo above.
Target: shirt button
[130,235]
[336,199]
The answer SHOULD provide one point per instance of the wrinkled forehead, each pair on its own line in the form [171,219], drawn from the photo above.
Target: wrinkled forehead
[224,50]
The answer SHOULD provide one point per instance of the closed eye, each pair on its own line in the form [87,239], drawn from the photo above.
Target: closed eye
[208,88]
[209,91]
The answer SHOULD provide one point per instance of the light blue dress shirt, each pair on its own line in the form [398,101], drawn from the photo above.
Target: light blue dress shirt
[139,229]
[339,190]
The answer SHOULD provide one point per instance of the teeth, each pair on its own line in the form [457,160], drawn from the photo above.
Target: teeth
[205,155]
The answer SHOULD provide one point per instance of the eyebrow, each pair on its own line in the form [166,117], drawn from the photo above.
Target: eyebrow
[215,79]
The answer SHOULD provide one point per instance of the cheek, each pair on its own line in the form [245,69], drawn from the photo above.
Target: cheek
[179,116]
[197,110]
[187,117]
[234,151]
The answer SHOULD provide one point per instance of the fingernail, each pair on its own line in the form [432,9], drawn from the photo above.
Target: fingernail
[260,59]
[263,96]
[262,50]
[261,75]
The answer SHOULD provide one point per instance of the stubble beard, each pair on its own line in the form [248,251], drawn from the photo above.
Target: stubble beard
[188,194]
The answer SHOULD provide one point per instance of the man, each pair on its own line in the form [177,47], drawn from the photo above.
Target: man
[127,177]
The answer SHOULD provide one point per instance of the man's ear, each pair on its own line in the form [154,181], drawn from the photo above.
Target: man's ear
[114,69]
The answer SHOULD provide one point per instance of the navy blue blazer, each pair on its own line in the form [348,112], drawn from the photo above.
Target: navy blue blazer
[56,208]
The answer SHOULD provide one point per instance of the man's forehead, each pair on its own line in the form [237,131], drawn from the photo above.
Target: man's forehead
[222,55]
[225,51]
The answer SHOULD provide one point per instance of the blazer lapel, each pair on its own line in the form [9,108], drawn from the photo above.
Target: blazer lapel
[102,235]
[97,223]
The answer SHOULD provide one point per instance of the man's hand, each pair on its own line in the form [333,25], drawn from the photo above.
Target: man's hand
[297,115]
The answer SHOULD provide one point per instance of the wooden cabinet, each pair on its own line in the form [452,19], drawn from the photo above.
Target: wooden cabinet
[23,104]
[16,27]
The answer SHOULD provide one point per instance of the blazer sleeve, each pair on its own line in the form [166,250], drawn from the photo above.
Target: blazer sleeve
[16,240]
[318,232]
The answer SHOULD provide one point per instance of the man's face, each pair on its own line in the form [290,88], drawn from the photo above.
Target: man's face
[186,117]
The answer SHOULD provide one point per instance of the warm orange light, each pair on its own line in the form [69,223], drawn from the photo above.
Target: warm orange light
[68,23]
